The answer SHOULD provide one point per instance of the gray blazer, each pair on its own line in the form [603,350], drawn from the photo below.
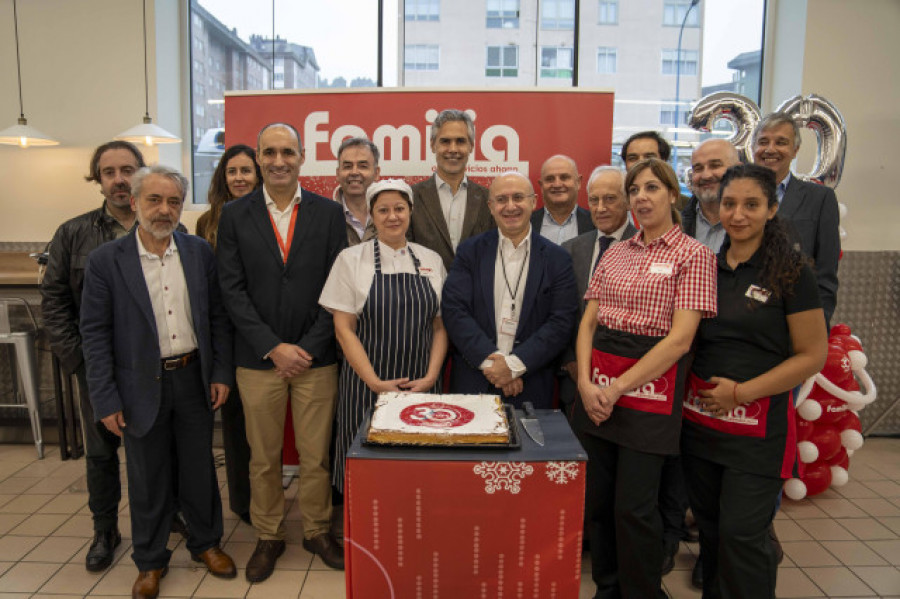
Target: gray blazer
[428,227]
[811,213]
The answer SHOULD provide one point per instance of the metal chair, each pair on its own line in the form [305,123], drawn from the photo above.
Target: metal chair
[25,355]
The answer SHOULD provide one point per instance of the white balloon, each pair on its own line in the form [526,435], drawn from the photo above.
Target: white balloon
[810,410]
[851,439]
[858,360]
[795,489]
[842,209]
[839,476]
[842,233]
[808,452]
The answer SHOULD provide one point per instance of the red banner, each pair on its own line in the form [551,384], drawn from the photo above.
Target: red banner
[513,129]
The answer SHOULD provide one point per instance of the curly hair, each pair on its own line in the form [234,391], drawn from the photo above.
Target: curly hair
[218,195]
[781,262]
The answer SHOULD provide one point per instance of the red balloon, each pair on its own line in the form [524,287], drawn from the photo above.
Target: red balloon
[804,429]
[837,364]
[840,459]
[832,410]
[817,478]
[849,420]
[828,439]
[839,329]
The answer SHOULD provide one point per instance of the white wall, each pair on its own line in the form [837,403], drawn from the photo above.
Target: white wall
[83,83]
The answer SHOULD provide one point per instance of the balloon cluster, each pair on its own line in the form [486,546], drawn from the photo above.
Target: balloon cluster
[828,428]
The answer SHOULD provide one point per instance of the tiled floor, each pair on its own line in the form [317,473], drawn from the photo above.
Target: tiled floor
[843,543]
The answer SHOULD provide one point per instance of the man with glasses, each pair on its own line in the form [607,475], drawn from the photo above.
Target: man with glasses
[509,303]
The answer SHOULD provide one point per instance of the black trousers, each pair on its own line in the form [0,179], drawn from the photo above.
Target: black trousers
[237,453]
[673,503]
[733,510]
[101,459]
[181,434]
[625,524]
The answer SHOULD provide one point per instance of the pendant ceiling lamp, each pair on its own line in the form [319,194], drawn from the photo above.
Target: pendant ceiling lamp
[147,132]
[23,134]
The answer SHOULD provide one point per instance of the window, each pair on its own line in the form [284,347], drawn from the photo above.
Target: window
[558,14]
[556,62]
[606,61]
[689,60]
[667,112]
[608,12]
[674,11]
[423,10]
[502,61]
[422,57]
[503,14]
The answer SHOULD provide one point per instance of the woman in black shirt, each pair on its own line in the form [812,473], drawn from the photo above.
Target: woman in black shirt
[738,438]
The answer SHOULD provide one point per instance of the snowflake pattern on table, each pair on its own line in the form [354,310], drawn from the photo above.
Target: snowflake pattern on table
[503,476]
[562,472]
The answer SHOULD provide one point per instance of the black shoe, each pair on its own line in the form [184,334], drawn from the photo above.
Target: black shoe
[697,574]
[324,545]
[246,518]
[262,562]
[100,555]
[776,544]
[668,563]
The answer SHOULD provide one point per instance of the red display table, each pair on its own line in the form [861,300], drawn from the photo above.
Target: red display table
[440,523]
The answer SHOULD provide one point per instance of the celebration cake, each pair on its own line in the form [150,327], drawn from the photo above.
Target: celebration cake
[428,419]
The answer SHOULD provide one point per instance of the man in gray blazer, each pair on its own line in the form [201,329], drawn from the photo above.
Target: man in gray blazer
[609,213]
[449,207]
[810,210]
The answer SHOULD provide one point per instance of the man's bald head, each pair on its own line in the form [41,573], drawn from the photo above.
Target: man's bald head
[709,162]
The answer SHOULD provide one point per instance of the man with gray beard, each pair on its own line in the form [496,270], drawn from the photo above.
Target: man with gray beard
[157,346]
[709,162]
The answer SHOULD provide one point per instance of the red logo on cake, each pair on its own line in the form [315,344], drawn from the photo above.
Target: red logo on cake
[436,415]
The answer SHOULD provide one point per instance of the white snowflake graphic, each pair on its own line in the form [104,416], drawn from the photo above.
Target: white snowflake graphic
[503,476]
[562,472]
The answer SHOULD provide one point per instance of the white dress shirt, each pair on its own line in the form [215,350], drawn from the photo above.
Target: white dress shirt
[169,298]
[559,233]
[350,279]
[282,218]
[516,260]
[453,205]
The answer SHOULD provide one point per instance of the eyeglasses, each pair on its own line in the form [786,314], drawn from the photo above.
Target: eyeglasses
[517,198]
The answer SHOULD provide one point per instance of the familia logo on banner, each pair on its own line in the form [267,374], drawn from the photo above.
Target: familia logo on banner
[514,130]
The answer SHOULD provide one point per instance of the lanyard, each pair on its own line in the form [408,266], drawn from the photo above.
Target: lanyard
[285,248]
[518,279]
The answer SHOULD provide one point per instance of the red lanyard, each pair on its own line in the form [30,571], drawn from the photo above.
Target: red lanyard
[285,248]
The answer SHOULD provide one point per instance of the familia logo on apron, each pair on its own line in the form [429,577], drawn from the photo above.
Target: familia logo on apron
[656,396]
[748,420]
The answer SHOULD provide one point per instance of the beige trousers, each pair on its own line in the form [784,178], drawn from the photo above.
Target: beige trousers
[313,395]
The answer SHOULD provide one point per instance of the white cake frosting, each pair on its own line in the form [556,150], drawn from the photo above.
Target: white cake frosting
[431,416]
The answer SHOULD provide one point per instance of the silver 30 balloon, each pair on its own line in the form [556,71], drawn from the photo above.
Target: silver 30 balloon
[813,112]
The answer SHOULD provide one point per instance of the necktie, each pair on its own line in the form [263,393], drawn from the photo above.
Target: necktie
[605,242]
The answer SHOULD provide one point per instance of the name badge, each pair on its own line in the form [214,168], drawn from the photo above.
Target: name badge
[425,272]
[760,294]
[661,268]
[508,326]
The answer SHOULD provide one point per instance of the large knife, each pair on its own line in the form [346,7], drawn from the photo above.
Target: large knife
[531,424]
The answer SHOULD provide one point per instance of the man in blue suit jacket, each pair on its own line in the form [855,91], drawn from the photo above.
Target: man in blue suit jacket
[157,346]
[509,303]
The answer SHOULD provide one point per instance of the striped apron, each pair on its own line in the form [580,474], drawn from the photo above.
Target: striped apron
[395,328]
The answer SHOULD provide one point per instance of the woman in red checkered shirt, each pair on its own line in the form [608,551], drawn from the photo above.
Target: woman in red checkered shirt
[645,301]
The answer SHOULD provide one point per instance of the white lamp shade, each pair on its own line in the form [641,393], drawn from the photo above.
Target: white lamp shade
[148,133]
[24,135]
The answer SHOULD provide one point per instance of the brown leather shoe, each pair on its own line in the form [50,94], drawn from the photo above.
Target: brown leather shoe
[147,584]
[262,562]
[217,562]
[326,547]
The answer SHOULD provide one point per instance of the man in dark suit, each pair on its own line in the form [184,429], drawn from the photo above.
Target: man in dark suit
[449,207]
[276,247]
[509,303]
[157,345]
[609,216]
[561,218]
[809,209]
